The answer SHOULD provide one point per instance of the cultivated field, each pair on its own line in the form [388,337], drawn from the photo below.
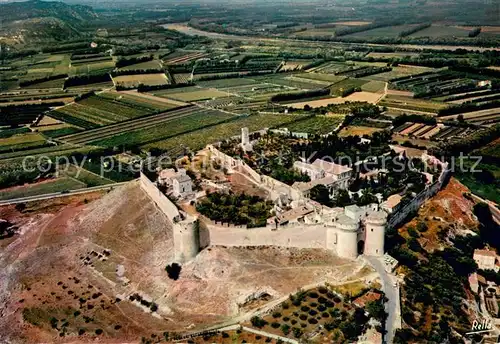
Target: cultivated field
[107,108]
[137,79]
[317,124]
[200,138]
[45,187]
[21,142]
[408,103]
[369,97]
[442,31]
[199,94]
[150,128]
[355,130]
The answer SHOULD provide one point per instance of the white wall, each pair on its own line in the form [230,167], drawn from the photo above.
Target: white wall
[165,205]
[298,236]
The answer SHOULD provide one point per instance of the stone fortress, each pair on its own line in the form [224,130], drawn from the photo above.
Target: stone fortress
[299,222]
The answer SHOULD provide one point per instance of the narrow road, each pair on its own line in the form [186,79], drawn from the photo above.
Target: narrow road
[271,335]
[391,291]
[60,194]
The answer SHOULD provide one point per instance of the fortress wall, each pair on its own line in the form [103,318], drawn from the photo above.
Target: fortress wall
[165,205]
[400,215]
[294,236]
[185,232]
[249,171]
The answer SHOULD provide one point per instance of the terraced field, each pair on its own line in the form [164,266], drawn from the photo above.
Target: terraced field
[199,138]
[175,126]
[409,103]
[150,128]
[105,109]
[317,124]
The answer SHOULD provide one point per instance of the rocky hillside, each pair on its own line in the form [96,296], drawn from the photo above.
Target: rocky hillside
[42,21]
[435,251]
[73,14]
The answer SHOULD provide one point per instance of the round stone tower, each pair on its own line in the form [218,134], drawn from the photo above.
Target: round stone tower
[186,240]
[375,233]
[347,237]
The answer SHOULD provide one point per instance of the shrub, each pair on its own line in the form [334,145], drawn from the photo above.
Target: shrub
[313,294]
[275,324]
[286,319]
[297,332]
[303,317]
[98,331]
[422,227]
[225,335]
[293,322]
[304,308]
[325,315]
[153,307]
[276,315]
[322,300]
[258,322]
[322,290]
[334,312]
[321,308]
[312,321]
[412,232]
[312,312]
[313,304]
[285,329]
[285,305]
[173,271]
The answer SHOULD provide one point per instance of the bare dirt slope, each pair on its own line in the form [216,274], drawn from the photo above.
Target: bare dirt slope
[69,273]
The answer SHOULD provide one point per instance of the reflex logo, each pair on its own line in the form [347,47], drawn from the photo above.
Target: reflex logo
[482,326]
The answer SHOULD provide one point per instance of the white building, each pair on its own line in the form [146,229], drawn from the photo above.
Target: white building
[321,172]
[486,259]
[245,140]
[179,182]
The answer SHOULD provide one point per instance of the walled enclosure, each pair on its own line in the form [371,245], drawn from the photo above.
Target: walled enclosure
[341,237]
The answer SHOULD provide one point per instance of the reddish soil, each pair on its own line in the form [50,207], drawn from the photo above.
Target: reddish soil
[449,209]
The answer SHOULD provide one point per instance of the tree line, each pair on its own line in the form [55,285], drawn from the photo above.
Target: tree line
[300,95]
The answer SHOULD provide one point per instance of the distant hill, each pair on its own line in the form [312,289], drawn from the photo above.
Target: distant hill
[73,14]
[42,21]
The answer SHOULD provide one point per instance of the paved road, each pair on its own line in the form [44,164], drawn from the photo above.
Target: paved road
[60,194]
[392,306]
